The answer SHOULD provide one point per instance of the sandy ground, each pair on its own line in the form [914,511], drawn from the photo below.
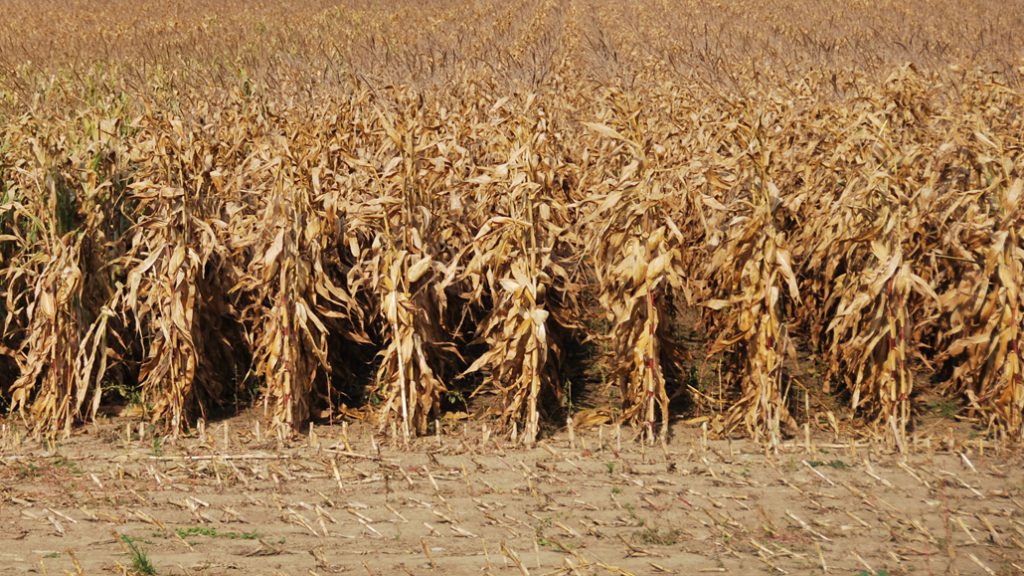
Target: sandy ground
[343,502]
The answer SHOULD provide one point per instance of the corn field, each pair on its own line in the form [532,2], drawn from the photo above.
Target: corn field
[763,216]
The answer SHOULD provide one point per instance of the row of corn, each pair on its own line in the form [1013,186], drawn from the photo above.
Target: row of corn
[325,243]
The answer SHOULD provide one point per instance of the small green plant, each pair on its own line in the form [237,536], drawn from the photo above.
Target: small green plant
[538,531]
[457,398]
[655,537]
[879,573]
[196,531]
[141,566]
[836,464]
[616,490]
[633,515]
[69,465]
[131,395]
[27,471]
[945,408]
[211,532]
[610,466]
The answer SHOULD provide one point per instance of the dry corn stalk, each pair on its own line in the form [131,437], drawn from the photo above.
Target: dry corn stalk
[518,263]
[62,355]
[409,283]
[517,357]
[637,251]
[638,264]
[175,294]
[760,289]
[162,299]
[991,353]
[284,281]
[406,377]
[48,380]
[753,288]
[870,332]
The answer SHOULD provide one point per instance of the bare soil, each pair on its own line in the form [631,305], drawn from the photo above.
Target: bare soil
[348,501]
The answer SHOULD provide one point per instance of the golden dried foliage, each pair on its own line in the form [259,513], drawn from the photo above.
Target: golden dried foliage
[408,209]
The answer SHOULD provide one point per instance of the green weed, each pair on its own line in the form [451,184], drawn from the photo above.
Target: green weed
[141,566]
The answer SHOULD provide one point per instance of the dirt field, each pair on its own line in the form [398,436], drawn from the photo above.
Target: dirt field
[460,504]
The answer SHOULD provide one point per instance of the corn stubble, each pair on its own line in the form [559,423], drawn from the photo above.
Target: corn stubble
[444,220]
